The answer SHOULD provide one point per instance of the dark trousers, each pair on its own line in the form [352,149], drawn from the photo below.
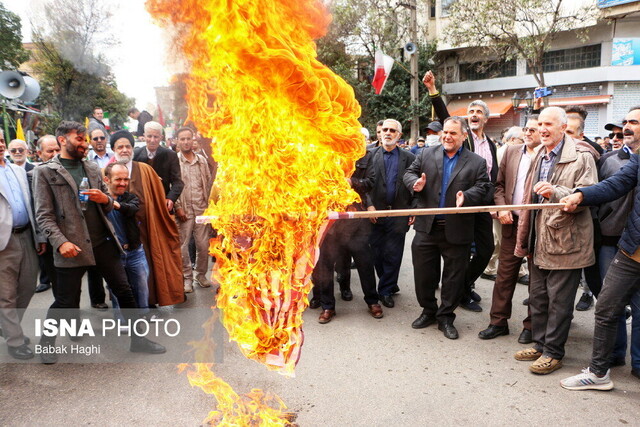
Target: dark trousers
[96,286]
[507,278]
[552,294]
[483,242]
[592,273]
[50,268]
[387,245]
[620,283]
[343,267]
[108,264]
[347,237]
[426,251]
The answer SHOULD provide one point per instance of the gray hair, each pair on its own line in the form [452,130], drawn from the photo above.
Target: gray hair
[635,107]
[43,138]
[514,132]
[481,104]
[153,126]
[21,142]
[396,122]
[462,122]
[558,112]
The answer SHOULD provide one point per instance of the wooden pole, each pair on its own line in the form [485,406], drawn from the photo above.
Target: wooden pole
[408,212]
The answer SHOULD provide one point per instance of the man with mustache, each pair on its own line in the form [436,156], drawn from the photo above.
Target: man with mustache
[622,280]
[479,143]
[616,138]
[80,237]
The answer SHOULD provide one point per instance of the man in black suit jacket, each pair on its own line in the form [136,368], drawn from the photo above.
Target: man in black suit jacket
[478,142]
[389,163]
[163,161]
[445,176]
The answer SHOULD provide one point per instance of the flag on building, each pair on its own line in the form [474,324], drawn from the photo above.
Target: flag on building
[384,63]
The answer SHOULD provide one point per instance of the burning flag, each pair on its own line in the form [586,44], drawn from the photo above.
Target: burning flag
[384,64]
[284,130]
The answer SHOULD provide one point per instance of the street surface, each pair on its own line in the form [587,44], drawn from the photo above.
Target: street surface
[354,371]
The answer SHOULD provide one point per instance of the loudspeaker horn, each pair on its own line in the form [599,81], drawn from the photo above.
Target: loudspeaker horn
[31,90]
[410,48]
[11,84]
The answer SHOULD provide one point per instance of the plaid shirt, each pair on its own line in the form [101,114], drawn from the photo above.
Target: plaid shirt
[548,160]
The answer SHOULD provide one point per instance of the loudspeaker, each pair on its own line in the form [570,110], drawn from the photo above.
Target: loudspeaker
[11,84]
[410,48]
[31,90]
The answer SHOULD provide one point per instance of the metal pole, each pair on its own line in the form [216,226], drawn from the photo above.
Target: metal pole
[415,124]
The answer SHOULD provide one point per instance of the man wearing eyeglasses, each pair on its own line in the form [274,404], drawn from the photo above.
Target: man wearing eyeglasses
[389,163]
[515,163]
[18,151]
[100,155]
[616,137]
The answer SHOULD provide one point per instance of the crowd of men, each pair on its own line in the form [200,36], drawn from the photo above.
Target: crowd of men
[122,216]
[551,250]
[134,225]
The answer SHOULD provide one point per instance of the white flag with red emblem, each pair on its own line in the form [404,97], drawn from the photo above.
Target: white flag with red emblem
[384,63]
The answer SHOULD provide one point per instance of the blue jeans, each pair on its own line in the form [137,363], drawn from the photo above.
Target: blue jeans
[137,269]
[606,255]
[621,284]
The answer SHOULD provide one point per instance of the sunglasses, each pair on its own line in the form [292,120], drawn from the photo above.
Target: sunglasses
[527,130]
[16,150]
[392,130]
[99,138]
[617,135]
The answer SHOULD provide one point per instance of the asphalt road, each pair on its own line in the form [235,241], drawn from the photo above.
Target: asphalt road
[355,371]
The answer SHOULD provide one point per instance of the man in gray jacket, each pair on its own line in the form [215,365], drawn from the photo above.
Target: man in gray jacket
[80,236]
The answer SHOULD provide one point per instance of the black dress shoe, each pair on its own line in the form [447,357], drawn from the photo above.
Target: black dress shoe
[636,373]
[143,345]
[100,306]
[475,296]
[525,301]
[387,301]
[525,337]
[22,352]
[314,303]
[493,331]
[491,277]
[423,321]
[448,330]
[395,290]
[43,287]
[48,358]
[346,294]
[471,305]
[524,280]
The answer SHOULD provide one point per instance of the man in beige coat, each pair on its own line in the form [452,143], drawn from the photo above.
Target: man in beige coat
[192,202]
[561,243]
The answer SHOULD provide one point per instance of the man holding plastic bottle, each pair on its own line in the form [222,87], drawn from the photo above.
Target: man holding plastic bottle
[80,237]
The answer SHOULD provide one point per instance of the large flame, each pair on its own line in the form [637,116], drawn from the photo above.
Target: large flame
[285,133]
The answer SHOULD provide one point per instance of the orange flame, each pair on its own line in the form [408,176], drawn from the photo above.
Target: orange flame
[285,133]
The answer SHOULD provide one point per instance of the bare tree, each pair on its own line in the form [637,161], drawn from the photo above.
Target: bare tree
[512,29]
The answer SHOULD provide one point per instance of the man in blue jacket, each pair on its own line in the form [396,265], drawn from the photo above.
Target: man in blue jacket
[623,277]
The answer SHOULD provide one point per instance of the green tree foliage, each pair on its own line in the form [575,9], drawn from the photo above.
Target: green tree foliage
[360,27]
[505,30]
[74,77]
[12,54]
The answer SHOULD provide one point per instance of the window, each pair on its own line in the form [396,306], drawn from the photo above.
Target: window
[432,8]
[446,4]
[482,71]
[571,59]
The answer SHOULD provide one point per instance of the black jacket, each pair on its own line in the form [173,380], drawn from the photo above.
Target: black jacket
[143,118]
[129,206]
[469,176]
[442,113]
[376,175]
[167,166]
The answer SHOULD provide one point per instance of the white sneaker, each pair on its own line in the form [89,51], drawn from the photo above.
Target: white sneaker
[188,287]
[587,380]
